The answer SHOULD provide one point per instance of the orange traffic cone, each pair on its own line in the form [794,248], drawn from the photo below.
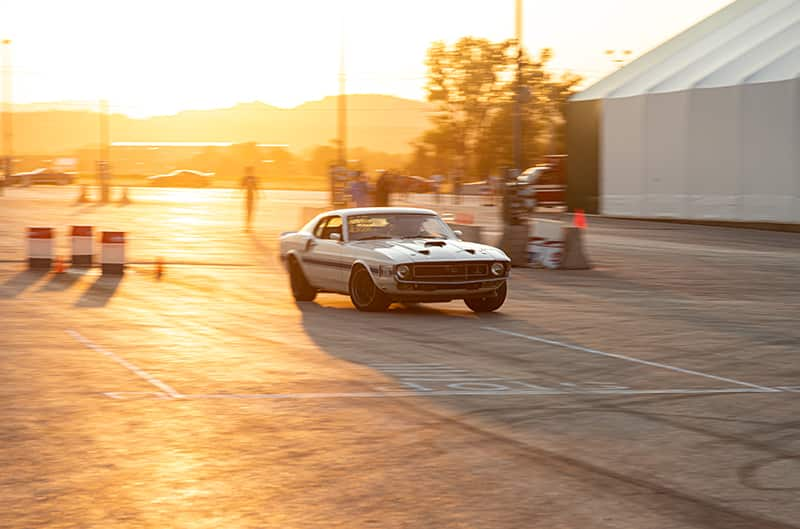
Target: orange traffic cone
[159,267]
[579,219]
[59,265]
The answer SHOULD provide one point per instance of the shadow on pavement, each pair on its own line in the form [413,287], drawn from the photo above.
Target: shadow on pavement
[359,337]
[443,335]
[84,208]
[101,291]
[270,255]
[61,282]
[15,285]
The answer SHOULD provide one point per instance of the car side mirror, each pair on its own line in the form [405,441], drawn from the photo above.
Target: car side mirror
[336,237]
[458,233]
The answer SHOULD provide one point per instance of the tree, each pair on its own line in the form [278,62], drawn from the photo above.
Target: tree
[473,82]
[466,80]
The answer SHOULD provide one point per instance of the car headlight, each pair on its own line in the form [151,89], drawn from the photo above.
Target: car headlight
[498,269]
[403,272]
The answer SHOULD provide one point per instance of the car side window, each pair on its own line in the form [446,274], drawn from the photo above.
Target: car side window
[327,226]
[321,227]
[334,226]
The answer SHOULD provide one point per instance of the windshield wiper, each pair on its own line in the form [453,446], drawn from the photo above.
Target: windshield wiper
[372,238]
[421,237]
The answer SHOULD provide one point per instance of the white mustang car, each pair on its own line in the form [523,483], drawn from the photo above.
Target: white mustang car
[381,255]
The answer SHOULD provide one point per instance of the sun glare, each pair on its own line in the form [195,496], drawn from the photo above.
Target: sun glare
[150,57]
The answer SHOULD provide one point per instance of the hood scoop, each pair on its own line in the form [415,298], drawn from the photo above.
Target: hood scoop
[440,244]
[470,251]
[424,252]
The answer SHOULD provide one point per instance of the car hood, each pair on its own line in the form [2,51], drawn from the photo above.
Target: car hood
[422,250]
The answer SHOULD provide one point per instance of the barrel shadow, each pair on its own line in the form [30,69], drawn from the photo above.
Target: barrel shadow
[19,282]
[101,291]
[61,282]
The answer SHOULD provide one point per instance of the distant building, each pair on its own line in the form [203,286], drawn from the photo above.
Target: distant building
[705,126]
[147,158]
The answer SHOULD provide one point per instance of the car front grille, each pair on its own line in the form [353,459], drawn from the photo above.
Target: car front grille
[451,272]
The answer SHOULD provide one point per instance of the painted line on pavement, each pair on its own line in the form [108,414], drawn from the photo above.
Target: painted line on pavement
[461,393]
[141,373]
[631,359]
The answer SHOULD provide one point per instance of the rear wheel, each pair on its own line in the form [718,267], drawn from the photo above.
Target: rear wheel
[364,294]
[301,288]
[490,302]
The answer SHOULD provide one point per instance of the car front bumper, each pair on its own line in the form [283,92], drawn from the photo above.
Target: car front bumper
[443,291]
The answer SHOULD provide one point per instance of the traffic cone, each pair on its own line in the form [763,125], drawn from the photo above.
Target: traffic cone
[59,265]
[579,219]
[159,267]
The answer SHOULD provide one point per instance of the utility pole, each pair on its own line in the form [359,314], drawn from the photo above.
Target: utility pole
[517,107]
[104,131]
[103,165]
[8,136]
[341,109]
[515,226]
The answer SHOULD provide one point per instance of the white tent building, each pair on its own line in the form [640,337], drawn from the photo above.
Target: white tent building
[706,126]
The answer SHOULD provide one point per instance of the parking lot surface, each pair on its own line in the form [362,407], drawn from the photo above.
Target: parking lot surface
[657,390]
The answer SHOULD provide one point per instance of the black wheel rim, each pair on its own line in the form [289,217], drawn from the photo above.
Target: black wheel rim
[363,289]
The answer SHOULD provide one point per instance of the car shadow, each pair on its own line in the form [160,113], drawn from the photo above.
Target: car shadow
[18,283]
[340,330]
[101,291]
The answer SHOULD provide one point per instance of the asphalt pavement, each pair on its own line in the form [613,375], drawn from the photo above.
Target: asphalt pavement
[657,390]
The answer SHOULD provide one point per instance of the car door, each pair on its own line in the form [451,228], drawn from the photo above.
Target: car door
[326,266]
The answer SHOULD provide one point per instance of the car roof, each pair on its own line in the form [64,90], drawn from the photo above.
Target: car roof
[377,211]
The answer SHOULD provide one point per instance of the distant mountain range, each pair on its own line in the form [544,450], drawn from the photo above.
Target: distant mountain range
[377,122]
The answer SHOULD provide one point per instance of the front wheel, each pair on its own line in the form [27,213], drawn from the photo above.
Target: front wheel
[301,288]
[490,302]
[364,294]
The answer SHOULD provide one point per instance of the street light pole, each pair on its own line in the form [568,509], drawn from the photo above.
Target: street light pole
[7,116]
[619,57]
[517,106]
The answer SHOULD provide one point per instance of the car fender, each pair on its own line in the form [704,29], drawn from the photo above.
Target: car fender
[289,254]
[361,262]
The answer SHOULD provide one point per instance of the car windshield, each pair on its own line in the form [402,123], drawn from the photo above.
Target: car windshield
[397,226]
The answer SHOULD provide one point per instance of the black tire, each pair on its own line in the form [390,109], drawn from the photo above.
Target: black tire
[489,303]
[301,288]
[364,294]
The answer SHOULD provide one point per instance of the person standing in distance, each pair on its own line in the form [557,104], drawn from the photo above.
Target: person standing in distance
[359,190]
[250,186]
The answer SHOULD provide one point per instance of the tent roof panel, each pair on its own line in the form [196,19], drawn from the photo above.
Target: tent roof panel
[736,71]
[654,57]
[741,55]
[784,67]
[745,37]
[716,48]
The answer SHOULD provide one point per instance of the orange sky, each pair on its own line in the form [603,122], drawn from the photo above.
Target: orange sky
[151,57]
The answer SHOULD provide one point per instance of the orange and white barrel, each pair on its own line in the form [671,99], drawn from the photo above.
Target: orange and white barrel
[553,252]
[535,249]
[112,260]
[40,248]
[82,246]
